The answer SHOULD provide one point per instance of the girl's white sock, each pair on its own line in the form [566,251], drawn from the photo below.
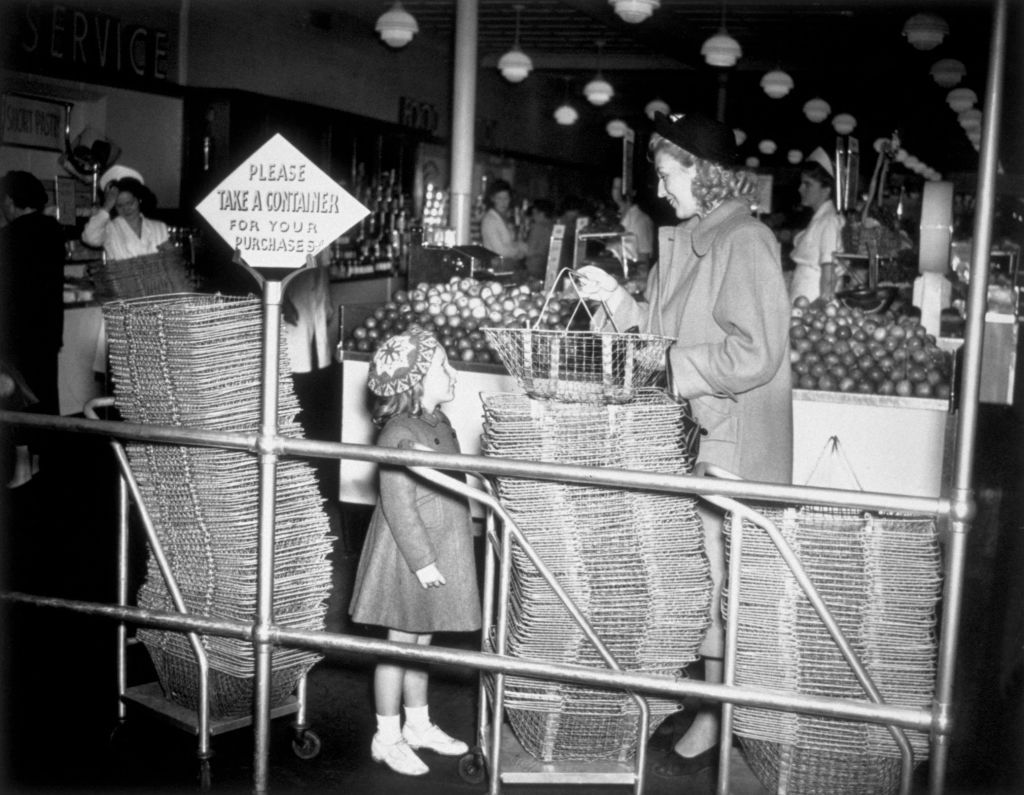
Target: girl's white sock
[389,728]
[418,717]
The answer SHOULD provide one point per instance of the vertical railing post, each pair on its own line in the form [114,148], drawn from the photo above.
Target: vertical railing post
[962,500]
[264,650]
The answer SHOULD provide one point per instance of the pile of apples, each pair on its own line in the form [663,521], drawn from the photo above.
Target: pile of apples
[835,348]
[457,310]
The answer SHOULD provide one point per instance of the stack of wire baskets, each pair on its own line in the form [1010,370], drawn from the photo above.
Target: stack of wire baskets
[195,360]
[160,273]
[632,561]
[880,575]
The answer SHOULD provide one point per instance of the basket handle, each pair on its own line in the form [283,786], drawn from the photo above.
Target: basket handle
[573,277]
[833,448]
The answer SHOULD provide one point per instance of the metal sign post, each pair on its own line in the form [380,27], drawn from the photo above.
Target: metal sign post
[277,210]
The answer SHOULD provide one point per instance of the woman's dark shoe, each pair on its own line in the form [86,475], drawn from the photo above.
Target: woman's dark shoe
[672,765]
[671,730]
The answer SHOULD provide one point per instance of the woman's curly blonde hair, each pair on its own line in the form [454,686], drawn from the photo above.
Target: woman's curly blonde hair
[712,184]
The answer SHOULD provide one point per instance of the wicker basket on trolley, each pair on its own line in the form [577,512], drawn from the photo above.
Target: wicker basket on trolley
[160,273]
[633,562]
[195,360]
[880,577]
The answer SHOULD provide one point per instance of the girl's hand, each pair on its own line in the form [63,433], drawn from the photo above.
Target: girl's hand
[595,283]
[430,577]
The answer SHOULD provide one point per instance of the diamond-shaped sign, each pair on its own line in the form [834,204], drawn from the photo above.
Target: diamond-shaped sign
[278,207]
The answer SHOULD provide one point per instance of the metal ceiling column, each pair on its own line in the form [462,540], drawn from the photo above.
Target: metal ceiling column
[463,113]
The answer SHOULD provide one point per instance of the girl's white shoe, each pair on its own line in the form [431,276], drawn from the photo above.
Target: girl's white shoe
[433,739]
[398,756]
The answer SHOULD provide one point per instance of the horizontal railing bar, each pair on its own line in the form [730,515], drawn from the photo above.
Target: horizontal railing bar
[848,709]
[534,470]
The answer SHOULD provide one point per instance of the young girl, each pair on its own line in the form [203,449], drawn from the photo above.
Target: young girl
[417,574]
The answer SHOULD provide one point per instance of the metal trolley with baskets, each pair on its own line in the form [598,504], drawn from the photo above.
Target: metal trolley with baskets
[560,559]
[194,360]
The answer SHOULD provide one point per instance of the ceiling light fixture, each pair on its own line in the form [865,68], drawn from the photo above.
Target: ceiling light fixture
[616,128]
[753,162]
[925,31]
[397,26]
[598,91]
[634,11]
[740,136]
[515,65]
[794,156]
[656,106]
[816,110]
[948,72]
[565,114]
[970,119]
[721,49]
[844,123]
[767,147]
[776,84]
[960,99]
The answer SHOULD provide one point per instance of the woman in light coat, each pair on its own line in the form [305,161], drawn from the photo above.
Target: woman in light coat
[718,290]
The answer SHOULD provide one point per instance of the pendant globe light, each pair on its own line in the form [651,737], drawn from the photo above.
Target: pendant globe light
[753,162]
[948,72]
[656,106]
[844,123]
[970,119]
[635,11]
[721,49]
[598,91]
[767,147]
[816,110]
[739,135]
[616,128]
[565,114]
[515,65]
[794,156]
[960,99]
[397,26]
[925,31]
[776,84]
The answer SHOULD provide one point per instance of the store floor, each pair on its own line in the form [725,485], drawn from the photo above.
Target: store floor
[58,668]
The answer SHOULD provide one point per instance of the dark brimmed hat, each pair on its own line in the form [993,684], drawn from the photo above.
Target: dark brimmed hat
[701,136]
[401,361]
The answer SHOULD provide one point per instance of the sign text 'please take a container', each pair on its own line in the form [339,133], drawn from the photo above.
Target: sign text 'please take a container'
[278,207]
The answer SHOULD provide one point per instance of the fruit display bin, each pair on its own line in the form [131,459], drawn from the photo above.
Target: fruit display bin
[899,445]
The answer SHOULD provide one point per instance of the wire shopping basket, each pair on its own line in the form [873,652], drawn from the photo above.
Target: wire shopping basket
[579,366]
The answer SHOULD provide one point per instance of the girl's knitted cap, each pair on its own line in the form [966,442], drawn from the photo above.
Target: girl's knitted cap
[401,361]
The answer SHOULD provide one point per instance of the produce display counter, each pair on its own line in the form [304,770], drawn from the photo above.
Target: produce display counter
[900,445]
[890,444]
[76,363]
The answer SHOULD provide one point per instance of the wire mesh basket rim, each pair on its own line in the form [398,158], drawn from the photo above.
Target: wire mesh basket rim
[618,335]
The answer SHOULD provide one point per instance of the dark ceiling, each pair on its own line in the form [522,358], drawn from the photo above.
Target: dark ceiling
[850,52]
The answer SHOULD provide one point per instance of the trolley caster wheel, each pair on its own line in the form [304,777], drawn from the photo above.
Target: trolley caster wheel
[473,767]
[205,775]
[306,744]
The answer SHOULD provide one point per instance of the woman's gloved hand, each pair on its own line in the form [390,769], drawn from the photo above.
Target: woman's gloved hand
[595,284]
